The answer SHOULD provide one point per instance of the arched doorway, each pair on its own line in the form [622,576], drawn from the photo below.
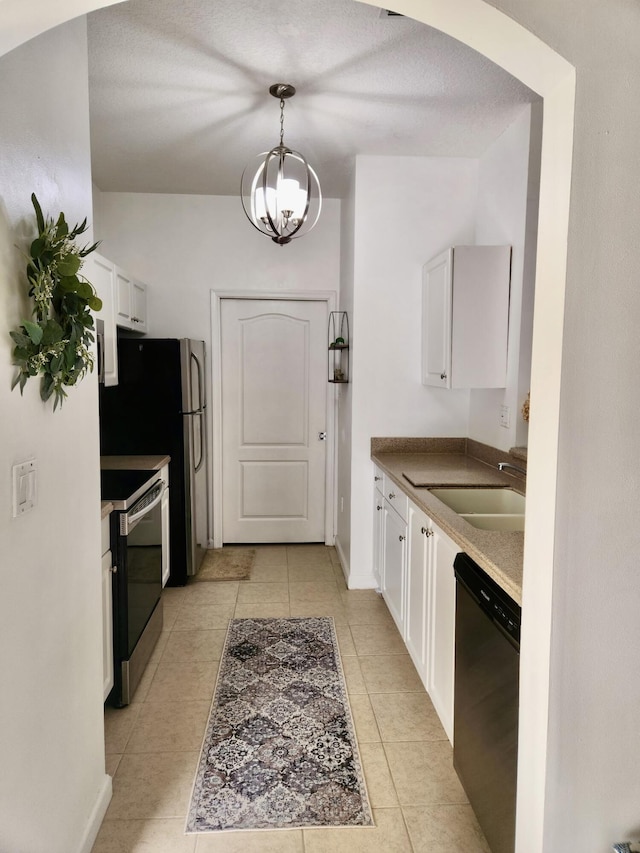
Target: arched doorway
[506,43]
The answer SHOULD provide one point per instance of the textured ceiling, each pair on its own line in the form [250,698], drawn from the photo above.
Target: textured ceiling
[179,91]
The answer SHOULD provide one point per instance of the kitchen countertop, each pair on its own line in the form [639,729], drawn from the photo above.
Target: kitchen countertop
[106,507]
[133,463]
[499,553]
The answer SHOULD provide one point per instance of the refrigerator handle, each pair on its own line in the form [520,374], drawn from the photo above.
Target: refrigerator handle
[198,465]
[201,400]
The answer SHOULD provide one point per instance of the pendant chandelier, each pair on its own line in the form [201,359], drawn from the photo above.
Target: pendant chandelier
[280,191]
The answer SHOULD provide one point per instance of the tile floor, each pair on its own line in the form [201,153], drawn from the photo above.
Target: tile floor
[153,744]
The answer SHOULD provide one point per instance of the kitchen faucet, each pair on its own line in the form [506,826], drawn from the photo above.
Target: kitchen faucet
[503,465]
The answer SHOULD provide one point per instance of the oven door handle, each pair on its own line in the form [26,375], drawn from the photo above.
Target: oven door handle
[128,521]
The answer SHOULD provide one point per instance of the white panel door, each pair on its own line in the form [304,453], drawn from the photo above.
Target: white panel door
[274,396]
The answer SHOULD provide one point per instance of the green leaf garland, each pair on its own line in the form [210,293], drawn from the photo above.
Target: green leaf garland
[56,343]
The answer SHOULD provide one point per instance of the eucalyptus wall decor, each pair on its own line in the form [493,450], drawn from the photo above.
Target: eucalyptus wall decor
[55,344]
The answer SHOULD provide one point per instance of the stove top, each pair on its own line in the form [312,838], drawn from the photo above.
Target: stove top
[123,487]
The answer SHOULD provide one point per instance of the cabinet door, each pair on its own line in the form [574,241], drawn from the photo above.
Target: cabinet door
[123,299]
[102,275]
[417,598]
[395,539]
[436,320]
[138,306]
[442,622]
[107,625]
[378,540]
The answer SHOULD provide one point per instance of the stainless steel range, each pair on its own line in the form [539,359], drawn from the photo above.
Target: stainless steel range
[136,543]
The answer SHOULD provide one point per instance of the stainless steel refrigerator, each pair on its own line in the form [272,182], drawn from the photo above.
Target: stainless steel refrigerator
[158,407]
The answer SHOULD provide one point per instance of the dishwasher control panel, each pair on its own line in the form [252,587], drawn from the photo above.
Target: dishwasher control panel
[493,600]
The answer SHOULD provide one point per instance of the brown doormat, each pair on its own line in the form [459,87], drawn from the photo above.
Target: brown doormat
[226,564]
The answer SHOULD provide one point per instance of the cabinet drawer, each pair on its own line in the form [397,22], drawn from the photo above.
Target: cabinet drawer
[396,498]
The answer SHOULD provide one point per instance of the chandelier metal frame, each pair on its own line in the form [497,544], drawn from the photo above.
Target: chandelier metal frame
[282,197]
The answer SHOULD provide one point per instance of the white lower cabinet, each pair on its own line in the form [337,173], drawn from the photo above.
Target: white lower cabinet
[394,557]
[441,620]
[378,528]
[107,611]
[419,588]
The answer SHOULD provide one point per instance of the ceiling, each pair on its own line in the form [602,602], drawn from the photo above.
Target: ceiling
[179,91]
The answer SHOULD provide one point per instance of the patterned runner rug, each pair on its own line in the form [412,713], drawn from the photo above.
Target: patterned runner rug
[279,749]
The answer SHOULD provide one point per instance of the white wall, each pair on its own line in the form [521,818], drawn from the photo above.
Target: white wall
[53,787]
[407,209]
[185,246]
[506,195]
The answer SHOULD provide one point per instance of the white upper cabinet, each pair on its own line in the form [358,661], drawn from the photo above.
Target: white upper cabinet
[131,302]
[102,275]
[465,317]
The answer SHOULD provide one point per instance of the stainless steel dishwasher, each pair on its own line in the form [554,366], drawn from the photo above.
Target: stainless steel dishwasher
[485,731]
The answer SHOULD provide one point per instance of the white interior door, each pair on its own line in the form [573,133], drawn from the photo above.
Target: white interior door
[274,395]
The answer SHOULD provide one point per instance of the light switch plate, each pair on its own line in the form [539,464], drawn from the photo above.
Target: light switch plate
[24,487]
[505,417]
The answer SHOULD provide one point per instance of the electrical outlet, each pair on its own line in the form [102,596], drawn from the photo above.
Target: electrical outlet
[505,417]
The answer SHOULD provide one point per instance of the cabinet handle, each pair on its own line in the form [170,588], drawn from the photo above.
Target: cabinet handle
[378,508]
[136,320]
[443,376]
[400,538]
[391,496]
[376,479]
[113,570]
[423,530]
[429,533]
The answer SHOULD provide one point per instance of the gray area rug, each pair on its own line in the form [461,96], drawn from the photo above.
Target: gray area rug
[226,564]
[280,749]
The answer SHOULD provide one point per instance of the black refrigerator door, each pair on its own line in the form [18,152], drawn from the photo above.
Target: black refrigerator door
[142,415]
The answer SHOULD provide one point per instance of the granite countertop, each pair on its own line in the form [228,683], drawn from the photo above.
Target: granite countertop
[106,507]
[499,553]
[133,463]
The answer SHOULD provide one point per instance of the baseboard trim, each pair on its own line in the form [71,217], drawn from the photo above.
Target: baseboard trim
[97,815]
[344,563]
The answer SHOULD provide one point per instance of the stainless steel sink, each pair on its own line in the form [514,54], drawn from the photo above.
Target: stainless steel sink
[486,509]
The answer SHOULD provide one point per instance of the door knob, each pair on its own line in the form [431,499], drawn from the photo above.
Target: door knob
[322,436]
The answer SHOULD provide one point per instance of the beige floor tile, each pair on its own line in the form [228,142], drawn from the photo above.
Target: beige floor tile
[111,763]
[387,836]
[194,645]
[144,686]
[441,829]
[262,593]
[118,725]
[209,617]
[271,555]
[362,596]
[317,592]
[423,773]
[202,593]
[320,573]
[345,640]
[363,718]
[170,610]
[353,675]
[382,793]
[368,613]
[262,610]
[280,841]
[278,573]
[140,836]
[319,608]
[390,674]
[378,640]
[159,647]
[406,717]
[298,553]
[169,727]
[174,594]
[153,785]
[188,681]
